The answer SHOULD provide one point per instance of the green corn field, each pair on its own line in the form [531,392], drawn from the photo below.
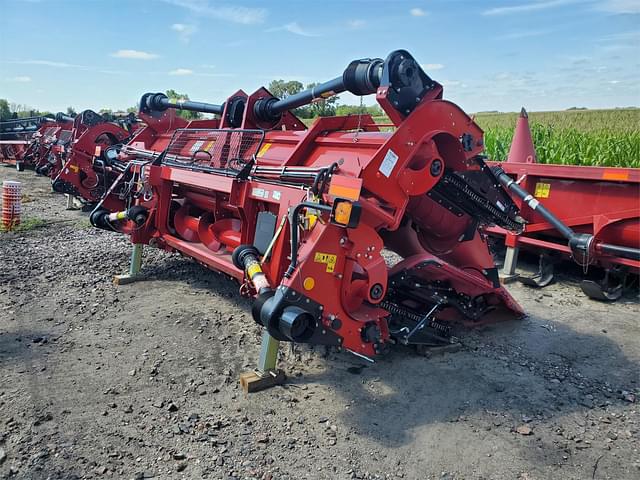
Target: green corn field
[606,138]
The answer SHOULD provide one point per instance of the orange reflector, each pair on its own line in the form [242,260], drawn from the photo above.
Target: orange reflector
[615,175]
[309,283]
[345,187]
[98,151]
[342,213]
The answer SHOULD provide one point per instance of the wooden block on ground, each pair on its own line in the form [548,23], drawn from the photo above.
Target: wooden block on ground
[254,382]
[506,279]
[125,279]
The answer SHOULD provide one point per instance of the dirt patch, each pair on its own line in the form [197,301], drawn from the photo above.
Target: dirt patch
[141,381]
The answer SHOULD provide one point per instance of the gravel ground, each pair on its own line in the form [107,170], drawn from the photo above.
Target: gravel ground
[141,381]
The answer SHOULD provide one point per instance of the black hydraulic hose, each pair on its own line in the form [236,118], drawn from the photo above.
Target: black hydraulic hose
[581,244]
[61,117]
[534,204]
[306,96]
[293,224]
[620,251]
[160,102]
[361,77]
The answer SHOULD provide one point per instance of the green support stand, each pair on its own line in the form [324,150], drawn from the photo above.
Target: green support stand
[508,273]
[266,375]
[134,267]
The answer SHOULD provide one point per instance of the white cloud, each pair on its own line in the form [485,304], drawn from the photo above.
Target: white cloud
[294,28]
[417,12]
[431,66]
[631,36]
[50,63]
[522,34]
[216,75]
[235,14]
[47,63]
[181,72]
[527,7]
[356,23]
[19,79]
[134,55]
[184,31]
[620,6]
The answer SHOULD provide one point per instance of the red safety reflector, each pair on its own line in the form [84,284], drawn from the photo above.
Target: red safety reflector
[615,175]
[345,187]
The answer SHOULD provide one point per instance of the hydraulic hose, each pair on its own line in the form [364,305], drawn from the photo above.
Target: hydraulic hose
[160,102]
[61,117]
[361,77]
[582,244]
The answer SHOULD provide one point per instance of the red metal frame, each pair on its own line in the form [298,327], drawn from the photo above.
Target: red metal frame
[72,170]
[33,151]
[601,201]
[217,213]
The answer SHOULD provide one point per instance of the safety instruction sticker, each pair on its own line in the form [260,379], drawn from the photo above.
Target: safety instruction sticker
[542,190]
[388,163]
[260,193]
[328,259]
[196,147]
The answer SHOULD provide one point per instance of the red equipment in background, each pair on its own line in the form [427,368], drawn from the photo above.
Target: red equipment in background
[303,216]
[110,168]
[602,202]
[27,141]
[12,152]
[48,142]
[80,167]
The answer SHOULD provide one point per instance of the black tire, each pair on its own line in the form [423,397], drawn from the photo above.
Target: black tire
[20,166]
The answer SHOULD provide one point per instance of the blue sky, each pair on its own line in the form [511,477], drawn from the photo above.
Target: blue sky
[490,55]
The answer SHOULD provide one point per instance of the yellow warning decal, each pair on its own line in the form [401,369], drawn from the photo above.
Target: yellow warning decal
[209,145]
[75,168]
[328,259]
[253,269]
[542,190]
[263,149]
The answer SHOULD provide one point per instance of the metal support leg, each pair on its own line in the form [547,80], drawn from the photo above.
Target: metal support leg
[508,272]
[266,375]
[134,267]
[72,202]
[136,259]
[268,353]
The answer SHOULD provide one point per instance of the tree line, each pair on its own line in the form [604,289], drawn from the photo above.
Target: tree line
[11,110]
